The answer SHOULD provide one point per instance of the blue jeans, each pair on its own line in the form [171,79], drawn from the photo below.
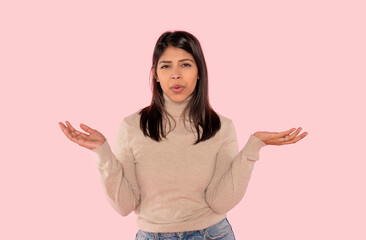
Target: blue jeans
[220,231]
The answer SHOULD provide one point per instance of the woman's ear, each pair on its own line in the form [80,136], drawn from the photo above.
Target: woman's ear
[154,74]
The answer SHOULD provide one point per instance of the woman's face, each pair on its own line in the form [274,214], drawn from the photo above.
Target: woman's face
[177,66]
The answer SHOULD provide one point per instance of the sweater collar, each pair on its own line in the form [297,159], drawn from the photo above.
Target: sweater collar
[175,109]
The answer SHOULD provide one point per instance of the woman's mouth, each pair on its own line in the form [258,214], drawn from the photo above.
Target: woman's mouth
[177,89]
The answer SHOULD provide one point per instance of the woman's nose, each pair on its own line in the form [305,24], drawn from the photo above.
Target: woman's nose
[175,74]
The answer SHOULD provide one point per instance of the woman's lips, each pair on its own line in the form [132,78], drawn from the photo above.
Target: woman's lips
[177,88]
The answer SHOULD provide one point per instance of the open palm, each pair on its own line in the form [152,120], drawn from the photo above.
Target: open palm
[280,138]
[89,141]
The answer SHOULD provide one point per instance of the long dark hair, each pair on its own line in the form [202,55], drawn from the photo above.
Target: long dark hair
[201,114]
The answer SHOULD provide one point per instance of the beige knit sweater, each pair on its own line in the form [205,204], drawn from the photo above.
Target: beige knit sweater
[173,185]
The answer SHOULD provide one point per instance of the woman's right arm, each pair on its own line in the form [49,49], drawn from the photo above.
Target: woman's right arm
[117,172]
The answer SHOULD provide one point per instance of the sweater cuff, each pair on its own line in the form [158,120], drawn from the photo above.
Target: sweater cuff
[252,147]
[103,149]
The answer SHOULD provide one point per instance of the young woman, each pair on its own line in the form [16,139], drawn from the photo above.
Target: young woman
[176,162]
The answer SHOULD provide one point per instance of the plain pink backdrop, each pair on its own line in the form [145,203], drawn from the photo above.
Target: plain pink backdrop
[272,66]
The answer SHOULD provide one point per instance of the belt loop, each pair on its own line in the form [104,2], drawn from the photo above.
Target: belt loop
[156,236]
[202,232]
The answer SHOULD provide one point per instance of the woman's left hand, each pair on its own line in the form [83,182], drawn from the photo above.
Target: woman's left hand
[276,138]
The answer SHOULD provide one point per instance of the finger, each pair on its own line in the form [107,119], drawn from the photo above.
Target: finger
[293,135]
[81,134]
[78,133]
[67,132]
[285,133]
[284,137]
[69,125]
[64,128]
[89,130]
[296,139]
[72,130]
[75,133]
[86,128]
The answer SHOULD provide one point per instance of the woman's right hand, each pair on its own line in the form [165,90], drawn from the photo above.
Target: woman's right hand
[91,141]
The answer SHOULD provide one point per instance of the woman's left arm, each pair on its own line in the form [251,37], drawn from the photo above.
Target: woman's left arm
[233,169]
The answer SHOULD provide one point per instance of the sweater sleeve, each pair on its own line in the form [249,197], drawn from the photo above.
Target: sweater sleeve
[232,172]
[117,172]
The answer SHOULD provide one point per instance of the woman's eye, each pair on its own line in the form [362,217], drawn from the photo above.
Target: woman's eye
[184,64]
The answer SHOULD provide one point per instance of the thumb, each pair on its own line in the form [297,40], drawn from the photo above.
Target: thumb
[86,128]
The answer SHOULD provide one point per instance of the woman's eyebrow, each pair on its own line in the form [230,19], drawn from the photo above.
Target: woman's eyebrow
[178,61]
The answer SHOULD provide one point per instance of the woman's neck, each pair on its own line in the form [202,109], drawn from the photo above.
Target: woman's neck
[174,108]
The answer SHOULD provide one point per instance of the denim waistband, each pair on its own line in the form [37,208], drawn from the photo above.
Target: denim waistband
[220,228]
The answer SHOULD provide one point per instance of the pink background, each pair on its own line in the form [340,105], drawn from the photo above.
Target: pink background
[273,65]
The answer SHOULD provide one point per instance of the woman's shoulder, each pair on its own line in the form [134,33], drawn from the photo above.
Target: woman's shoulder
[227,129]
[225,121]
[132,119]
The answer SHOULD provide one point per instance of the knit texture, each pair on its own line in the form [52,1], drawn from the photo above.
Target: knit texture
[173,185]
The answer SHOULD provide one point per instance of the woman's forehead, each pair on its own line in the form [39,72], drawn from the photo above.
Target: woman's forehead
[174,52]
